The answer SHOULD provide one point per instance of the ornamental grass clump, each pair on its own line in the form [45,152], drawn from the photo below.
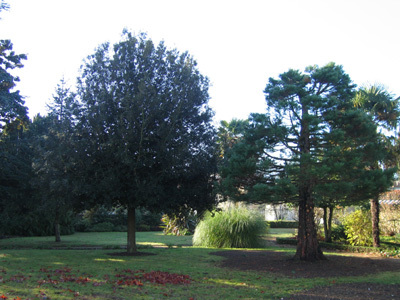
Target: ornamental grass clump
[232,228]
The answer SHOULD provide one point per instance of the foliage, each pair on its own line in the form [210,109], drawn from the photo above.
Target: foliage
[358,228]
[230,133]
[338,233]
[145,125]
[232,228]
[16,202]
[311,146]
[54,159]
[182,223]
[283,224]
[384,108]
[390,219]
[32,223]
[12,106]
[104,219]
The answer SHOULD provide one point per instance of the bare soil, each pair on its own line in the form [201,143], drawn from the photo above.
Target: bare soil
[280,263]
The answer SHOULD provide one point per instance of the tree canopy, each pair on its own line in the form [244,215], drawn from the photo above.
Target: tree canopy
[146,133]
[310,143]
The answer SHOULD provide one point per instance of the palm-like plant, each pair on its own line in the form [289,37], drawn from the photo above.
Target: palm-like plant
[384,108]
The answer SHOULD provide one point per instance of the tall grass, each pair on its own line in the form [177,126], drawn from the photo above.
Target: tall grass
[232,228]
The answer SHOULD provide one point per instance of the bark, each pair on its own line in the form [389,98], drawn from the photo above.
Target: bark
[328,213]
[307,243]
[131,247]
[375,222]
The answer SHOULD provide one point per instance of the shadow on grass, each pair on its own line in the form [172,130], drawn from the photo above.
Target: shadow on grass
[280,263]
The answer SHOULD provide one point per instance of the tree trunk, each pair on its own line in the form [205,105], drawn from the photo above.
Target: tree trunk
[328,223]
[57,228]
[375,222]
[131,247]
[307,242]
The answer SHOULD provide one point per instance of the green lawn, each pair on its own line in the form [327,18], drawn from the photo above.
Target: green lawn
[96,239]
[94,274]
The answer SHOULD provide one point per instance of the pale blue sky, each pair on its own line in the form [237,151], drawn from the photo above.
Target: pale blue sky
[237,44]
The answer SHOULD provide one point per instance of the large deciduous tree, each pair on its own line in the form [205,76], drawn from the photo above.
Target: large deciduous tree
[311,142]
[147,140]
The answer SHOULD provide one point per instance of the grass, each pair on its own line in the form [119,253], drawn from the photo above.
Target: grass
[95,239]
[93,274]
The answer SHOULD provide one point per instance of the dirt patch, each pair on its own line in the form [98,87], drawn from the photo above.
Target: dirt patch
[280,263]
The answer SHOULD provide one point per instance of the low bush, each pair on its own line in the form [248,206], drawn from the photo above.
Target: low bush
[232,228]
[102,227]
[283,224]
[104,219]
[338,233]
[181,224]
[358,228]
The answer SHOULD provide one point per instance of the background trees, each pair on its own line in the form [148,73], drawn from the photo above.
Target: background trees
[310,142]
[145,129]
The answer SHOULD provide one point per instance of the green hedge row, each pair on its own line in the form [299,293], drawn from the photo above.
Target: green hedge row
[283,224]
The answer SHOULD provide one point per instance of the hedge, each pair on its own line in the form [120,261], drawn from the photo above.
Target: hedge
[283,224]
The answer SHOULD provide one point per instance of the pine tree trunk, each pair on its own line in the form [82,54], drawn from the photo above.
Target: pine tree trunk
[375,222]
[131,247]
[328,223]
[307,242]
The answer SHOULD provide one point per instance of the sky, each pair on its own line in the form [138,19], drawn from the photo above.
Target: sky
[238,45]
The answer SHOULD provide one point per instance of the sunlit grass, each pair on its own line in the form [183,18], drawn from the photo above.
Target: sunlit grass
[96,239]
[209,280]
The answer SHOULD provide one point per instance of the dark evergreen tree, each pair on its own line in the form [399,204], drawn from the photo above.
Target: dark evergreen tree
[15,154]
[55,157]
[310,142]
[146,136]
[12,105]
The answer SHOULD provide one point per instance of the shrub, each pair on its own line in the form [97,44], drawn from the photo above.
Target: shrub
[94,219]
[358,228]
[389,219]
[283,224]
[233,228]
[101,227]
[338,233]
[181,224]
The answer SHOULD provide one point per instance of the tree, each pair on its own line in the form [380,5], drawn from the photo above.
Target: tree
[309,143]
[146,136]
[55,157]
[15,154]
[384,108]
[229,133]
[11,102]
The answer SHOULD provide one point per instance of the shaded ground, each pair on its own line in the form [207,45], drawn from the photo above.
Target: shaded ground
[280,263]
